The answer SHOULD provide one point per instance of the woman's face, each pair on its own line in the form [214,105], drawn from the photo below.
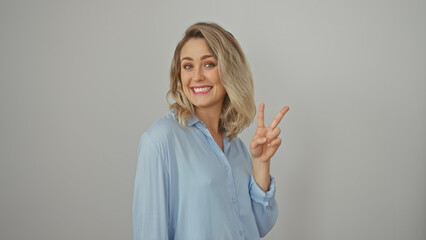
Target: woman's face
[200,76]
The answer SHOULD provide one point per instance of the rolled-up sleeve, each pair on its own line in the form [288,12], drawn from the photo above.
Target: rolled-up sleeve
[151,193]
[264,206]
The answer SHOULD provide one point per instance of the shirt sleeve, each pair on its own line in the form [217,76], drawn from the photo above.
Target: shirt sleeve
[264,206]
[151,193]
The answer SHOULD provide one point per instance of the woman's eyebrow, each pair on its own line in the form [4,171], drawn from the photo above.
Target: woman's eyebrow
[186,58]
[202,58]
[206,56]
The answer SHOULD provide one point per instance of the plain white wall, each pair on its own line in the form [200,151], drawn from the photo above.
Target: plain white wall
[82,80]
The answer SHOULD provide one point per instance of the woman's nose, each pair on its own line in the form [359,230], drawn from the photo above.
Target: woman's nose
[198,74]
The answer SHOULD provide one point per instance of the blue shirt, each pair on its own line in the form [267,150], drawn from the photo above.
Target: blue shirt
[187,188]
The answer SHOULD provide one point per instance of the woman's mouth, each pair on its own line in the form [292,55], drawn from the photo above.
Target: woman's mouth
[201,90]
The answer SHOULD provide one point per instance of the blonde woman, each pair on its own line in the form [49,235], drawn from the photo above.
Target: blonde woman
[195,179]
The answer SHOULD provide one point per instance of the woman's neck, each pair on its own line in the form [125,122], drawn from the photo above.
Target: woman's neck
[211,118]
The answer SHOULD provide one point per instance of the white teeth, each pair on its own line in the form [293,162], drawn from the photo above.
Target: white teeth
[204,89]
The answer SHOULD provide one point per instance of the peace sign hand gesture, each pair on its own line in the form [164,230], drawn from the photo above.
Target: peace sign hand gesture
[266,141]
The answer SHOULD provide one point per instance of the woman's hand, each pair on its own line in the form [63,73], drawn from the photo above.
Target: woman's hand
[266,141]
[264,145]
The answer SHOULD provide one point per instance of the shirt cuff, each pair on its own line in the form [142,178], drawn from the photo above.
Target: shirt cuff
[258,195]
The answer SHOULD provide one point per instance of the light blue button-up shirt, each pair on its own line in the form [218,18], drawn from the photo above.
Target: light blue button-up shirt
[187,188]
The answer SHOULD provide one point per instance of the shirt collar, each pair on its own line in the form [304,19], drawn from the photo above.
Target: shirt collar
[191,120]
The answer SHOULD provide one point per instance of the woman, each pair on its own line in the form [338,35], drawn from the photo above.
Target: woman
[195,178]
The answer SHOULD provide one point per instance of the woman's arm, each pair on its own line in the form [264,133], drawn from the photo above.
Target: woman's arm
[151,193]
[262,185]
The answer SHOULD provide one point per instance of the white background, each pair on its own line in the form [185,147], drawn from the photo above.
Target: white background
[82,80]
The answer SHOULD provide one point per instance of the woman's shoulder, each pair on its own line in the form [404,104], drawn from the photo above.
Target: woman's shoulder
[167,122]
[237,142]
[163,128]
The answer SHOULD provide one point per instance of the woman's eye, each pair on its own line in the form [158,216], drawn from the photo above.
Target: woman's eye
[187,66]
[209,65]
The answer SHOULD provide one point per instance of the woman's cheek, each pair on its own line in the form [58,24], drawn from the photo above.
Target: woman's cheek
[184,78]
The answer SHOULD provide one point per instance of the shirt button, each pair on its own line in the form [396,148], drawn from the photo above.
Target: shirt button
[241,232]
[233,200]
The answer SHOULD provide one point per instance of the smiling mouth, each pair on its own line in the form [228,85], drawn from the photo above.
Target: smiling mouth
[201,90]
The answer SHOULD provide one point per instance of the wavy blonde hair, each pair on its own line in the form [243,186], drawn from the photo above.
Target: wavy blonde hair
[238,107]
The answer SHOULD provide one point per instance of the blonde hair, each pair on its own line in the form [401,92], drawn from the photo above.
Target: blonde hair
[238,107]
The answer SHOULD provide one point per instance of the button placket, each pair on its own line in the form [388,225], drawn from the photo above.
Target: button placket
[227,167]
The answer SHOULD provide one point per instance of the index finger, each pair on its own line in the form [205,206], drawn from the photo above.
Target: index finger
[279,116]
[260,117]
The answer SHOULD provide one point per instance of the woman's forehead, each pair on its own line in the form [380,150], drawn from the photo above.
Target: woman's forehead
[195,49]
